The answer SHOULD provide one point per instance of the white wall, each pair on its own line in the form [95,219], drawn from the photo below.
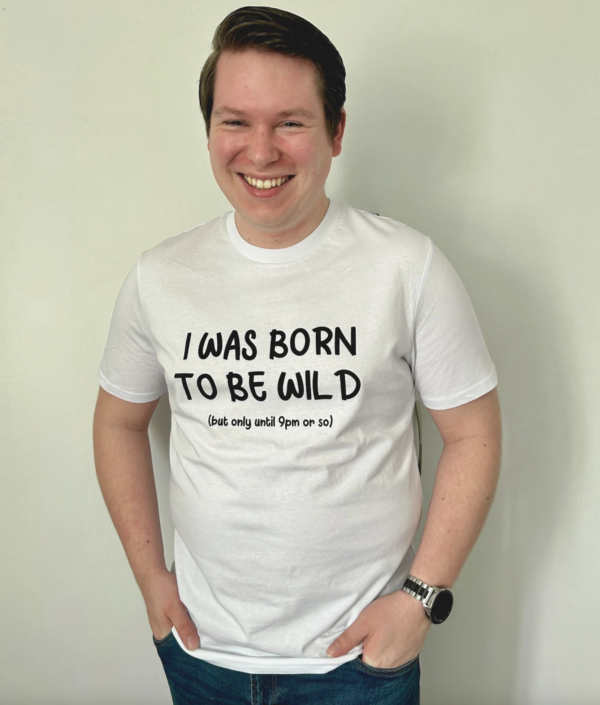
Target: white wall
[474,121]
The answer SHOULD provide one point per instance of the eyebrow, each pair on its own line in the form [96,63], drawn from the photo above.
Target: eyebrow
[291,112]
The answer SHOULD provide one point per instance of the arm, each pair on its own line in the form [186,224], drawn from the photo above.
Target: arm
[126,478]
[464,488]
[393,628]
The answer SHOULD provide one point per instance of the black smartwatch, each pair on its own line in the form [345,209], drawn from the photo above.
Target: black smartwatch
[436,601]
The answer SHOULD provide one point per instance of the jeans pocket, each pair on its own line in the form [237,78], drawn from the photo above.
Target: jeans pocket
[164,640]
[386,672]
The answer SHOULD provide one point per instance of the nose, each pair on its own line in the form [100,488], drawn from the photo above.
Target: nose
[262,149]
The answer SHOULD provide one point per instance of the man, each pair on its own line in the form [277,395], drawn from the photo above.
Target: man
[291,335]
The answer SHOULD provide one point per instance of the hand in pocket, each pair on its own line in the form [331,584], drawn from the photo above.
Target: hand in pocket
[166,610]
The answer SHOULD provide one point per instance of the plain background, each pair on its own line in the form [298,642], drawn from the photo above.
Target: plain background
[473,121]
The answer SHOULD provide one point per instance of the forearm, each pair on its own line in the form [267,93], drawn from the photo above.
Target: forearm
[126,478]
[463,491]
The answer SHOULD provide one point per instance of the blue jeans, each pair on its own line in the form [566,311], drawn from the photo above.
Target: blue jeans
[196,682]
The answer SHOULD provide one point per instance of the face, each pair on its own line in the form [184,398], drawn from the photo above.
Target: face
[268,123]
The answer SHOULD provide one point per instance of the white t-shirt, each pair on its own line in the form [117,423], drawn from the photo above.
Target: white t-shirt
[291,376]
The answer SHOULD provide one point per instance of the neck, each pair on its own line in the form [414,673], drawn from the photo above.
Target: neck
[273,238]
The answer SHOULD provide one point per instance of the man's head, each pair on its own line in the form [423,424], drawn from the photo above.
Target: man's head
[272,95]
[271,29]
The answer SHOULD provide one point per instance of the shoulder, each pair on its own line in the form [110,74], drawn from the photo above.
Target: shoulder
[185,248]
[381,233]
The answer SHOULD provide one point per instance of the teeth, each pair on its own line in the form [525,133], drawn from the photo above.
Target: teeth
[268,183]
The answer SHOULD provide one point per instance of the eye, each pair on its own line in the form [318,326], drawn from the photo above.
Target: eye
[293,124]
[233,122]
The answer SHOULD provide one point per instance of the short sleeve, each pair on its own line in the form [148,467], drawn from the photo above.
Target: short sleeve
[129,368]
[451,363]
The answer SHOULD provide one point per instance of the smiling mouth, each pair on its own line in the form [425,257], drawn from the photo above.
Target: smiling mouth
[265,184]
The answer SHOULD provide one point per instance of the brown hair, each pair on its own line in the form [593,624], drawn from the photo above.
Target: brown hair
[271,29]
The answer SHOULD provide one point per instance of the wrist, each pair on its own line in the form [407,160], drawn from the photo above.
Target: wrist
[151,577]
[436,601]
[432,574]
[407,604]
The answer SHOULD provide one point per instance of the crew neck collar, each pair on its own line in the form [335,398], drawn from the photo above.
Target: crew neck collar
[282,254]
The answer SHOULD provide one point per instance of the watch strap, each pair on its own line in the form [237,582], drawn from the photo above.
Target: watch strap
[417,588]
[423,592]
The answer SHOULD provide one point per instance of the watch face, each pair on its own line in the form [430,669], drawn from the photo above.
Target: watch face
[442,606]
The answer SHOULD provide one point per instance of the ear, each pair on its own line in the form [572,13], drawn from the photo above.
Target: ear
[338,135]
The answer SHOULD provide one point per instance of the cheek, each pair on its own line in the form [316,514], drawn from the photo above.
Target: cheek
[306,155]
[223,150]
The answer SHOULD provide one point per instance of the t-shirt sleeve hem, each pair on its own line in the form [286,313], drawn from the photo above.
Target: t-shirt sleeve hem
[478,390]
[126,395]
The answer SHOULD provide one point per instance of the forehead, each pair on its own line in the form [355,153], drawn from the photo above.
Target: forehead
[265,80]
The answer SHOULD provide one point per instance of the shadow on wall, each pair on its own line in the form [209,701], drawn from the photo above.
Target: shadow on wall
[160,432]
[486,650]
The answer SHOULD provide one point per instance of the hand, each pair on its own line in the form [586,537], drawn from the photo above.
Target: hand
[166,610]
[392,628]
